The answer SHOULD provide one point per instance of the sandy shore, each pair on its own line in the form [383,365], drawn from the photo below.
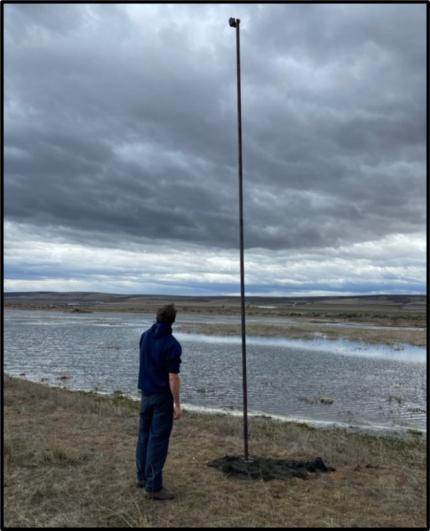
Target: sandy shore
[69,462]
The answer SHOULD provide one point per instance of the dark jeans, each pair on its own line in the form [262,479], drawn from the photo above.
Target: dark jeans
[155,426]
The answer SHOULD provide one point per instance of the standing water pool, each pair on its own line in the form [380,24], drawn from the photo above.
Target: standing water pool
[321,381]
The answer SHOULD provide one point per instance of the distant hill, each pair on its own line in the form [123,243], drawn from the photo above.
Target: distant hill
[96,298]
[93,296]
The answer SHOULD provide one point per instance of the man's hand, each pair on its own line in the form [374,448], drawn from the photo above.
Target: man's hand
[175,386]
[178,412]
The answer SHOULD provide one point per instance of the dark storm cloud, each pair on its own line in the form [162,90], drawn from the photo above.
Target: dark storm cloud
[121,123]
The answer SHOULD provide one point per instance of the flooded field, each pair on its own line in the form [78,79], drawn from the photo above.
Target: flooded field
[320,380]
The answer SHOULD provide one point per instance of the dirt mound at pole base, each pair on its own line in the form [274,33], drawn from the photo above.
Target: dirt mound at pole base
[267,468]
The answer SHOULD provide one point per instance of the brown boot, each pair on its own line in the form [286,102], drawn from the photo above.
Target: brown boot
[162,494]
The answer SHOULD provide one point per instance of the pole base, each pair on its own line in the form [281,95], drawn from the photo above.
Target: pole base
[266,468]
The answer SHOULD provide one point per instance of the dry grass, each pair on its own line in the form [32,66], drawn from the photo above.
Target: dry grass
[69,462]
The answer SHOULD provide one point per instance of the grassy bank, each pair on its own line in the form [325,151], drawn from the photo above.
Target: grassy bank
[313,330]
[69,462]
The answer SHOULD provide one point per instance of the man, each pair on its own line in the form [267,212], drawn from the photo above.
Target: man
[159,382]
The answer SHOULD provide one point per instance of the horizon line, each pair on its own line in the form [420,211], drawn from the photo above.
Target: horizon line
[382,294]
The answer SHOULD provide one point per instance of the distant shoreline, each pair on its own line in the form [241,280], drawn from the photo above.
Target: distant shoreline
[368,325]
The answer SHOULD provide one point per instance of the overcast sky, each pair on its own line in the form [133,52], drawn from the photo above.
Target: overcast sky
[121,148]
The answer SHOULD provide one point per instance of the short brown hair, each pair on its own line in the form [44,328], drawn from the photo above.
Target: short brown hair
[167,314]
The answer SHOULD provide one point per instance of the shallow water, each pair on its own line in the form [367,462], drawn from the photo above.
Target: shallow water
[370,385]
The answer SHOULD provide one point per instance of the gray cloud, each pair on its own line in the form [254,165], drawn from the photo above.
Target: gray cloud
[120,122]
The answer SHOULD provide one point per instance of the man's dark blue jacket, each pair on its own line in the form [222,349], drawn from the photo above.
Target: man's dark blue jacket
[160,354]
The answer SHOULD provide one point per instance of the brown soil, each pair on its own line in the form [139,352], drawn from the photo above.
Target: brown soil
[267,468]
